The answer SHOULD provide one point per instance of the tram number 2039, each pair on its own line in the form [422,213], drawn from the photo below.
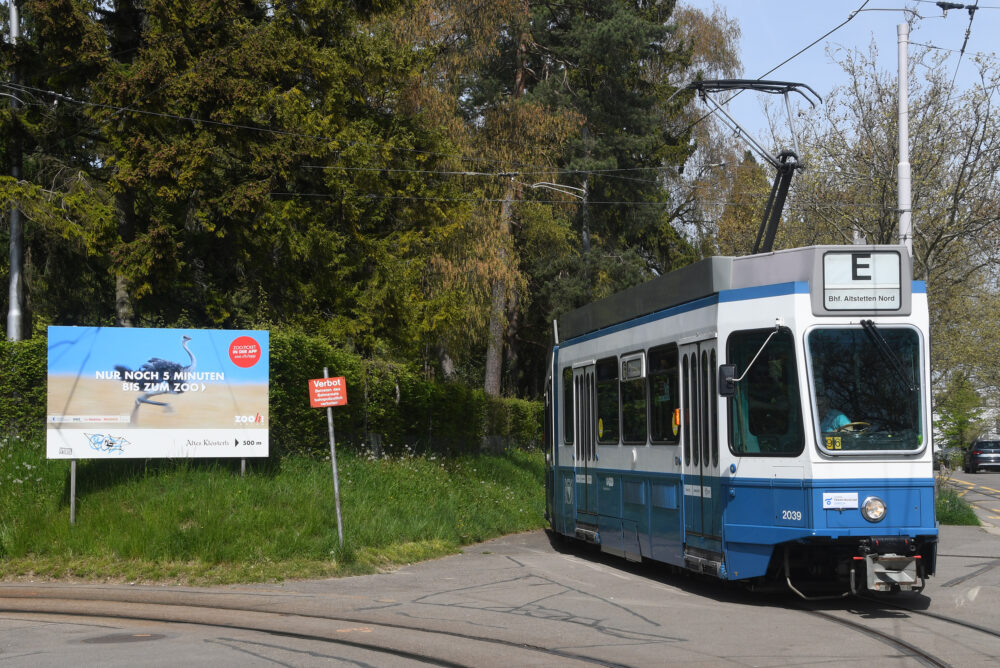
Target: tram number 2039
[791,515]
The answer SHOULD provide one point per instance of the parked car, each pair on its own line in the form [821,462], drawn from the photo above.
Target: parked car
[982,454]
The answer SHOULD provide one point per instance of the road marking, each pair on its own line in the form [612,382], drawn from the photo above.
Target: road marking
[595,567]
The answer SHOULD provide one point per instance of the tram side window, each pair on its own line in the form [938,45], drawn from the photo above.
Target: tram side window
[664,397]
[633,389]
[567,403]
[765,415]
[607,401]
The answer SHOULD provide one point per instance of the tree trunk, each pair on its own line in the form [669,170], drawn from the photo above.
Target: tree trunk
[498,306]
[494,346]
[124,309]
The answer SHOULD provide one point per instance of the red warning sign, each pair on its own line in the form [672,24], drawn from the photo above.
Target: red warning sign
[324,392]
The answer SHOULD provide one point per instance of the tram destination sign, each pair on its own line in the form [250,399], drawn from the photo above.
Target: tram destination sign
[862,281]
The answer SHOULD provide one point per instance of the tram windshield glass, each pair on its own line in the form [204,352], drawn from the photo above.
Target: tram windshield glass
[866,388]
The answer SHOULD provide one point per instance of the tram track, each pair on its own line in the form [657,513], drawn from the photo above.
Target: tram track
[923,656]
[389,639]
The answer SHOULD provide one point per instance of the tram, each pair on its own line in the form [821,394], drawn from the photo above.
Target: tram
[759,418]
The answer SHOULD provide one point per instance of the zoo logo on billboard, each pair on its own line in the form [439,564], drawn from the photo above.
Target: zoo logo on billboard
[106,443]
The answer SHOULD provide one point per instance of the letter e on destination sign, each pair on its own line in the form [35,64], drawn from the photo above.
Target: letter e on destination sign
[866,280]
[324,392]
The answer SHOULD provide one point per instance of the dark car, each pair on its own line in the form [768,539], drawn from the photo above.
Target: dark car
[982,455]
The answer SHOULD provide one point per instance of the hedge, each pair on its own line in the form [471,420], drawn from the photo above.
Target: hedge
[392,407]
[23,386]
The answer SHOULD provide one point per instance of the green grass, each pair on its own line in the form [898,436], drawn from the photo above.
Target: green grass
[199,522]
[953,509]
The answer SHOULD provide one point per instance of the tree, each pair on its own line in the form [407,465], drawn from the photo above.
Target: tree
[959,409]
[849,189]
[616,66]
[246,164]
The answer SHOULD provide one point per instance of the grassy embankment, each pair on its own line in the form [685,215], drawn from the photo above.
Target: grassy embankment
[953,509]
[199,522]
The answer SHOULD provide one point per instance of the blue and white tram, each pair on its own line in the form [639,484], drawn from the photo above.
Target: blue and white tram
[752,418]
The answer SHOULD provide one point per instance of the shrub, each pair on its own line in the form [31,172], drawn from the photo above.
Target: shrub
[23,386]
[389,405]
[953,509]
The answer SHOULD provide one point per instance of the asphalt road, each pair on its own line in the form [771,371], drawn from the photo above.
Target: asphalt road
[520,600]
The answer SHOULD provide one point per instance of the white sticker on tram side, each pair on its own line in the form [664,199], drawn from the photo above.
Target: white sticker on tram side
[698,490]
[840,500]
[585,479]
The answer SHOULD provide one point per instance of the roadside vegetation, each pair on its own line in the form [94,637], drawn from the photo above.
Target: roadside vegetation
[200,522]
[953,509]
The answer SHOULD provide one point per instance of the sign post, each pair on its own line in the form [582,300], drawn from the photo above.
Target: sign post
[328,392]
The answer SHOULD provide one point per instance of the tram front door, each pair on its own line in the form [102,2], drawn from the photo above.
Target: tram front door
[585,450]
[702,499]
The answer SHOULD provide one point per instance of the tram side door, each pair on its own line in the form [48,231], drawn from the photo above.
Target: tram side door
[585,450]
[699,397]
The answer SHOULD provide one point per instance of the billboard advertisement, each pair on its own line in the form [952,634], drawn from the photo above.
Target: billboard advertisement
[146,393]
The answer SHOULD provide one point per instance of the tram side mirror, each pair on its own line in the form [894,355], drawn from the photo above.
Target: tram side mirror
[727,380]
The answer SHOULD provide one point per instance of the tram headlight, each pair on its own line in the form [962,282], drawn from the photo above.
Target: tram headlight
[873,509]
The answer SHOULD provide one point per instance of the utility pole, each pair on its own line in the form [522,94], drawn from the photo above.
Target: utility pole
[16,293]
[903,171]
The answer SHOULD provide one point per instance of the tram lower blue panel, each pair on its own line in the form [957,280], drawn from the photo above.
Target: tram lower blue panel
[644,513]
[666,540]
[565,503]
[762,513]
[609,494]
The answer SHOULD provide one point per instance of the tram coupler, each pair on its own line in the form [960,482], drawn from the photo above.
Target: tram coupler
[891,572]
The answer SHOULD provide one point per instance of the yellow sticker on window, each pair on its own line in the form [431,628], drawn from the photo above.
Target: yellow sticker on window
[600,427]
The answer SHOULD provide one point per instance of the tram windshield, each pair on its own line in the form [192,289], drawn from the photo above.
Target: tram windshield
[866,388]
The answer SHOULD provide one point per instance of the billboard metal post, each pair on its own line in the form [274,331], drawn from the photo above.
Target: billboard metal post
[333,464]
[72,492]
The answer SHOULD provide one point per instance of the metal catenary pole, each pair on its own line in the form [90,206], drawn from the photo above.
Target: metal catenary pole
[903,180]
[333,463]
[16,288]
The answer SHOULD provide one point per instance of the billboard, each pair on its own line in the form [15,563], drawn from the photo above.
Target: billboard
[146,393]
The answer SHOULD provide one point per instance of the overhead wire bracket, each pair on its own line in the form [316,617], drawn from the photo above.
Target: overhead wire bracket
[786,162]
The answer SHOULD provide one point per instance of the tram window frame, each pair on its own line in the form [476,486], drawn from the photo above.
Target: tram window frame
[635,380]
[606,377]
[713,400]
[686,408]
[547,435]
[672,371]
[863,392]
[768,364]
[569,426]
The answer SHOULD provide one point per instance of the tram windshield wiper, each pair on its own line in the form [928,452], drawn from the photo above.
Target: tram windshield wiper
[888,355]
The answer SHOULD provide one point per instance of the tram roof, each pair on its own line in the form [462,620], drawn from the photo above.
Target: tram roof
[706,278]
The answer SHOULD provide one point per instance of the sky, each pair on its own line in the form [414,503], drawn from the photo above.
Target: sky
[87,350]
[774,30]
